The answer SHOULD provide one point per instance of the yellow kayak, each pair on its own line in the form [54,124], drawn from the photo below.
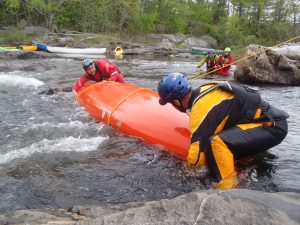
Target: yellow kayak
[18,48]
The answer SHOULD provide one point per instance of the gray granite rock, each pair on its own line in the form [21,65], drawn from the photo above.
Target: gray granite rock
[216,207]
[262,66]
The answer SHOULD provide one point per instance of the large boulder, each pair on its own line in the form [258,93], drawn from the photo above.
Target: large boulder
[265,66]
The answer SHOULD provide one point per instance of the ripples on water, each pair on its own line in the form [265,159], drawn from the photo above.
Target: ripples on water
[54,155]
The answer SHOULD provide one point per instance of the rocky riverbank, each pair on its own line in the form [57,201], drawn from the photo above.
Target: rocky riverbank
[279,66]
[152,44]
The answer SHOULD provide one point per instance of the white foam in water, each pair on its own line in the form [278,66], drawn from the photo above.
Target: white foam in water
[72,125]
[48,146]
[16,79]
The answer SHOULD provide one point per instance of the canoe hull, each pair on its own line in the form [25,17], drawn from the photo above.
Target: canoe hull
[135,111]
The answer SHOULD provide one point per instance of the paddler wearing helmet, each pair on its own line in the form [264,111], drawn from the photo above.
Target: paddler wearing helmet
[210,59]
[227,122]
[224,62]
[98,70]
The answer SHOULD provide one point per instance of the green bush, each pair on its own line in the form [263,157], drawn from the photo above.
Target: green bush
[15,37]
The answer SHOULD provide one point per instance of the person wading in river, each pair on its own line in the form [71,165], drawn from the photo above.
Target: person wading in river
[227,122]
[224,63]
[98,70]
[210,59]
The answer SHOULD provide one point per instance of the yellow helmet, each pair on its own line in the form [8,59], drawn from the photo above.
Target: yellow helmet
[227,49]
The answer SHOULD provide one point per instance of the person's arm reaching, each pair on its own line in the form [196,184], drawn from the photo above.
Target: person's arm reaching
[203,60]
[82,80]
[117,77]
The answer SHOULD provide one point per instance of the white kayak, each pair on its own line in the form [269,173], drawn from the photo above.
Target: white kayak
[88,51]
[91,56]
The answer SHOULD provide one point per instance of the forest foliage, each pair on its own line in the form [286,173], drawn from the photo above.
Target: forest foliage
[231,22]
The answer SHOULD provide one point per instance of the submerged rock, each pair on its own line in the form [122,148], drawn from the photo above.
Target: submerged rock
[267,67]
[235,206]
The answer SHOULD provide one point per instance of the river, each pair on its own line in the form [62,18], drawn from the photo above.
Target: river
[53,154]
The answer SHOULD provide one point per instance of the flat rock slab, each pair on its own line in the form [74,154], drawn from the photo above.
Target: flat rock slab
[237,206]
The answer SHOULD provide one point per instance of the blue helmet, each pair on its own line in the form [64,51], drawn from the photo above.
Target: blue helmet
[210,51]
[173,86]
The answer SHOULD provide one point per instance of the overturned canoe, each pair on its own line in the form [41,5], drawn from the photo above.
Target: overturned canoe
[135,111]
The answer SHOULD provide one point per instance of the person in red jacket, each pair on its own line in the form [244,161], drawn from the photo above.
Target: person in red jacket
[225,61]
[98,70]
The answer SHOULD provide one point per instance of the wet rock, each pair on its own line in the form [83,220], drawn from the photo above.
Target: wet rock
[267,67]
[55,90]
[219,207]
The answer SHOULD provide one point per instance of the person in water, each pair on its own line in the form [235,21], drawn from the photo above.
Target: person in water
[224,62]
[98,70]
[227,122]
[210,59]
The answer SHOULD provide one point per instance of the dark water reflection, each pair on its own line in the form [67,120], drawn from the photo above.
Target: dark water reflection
[54,155]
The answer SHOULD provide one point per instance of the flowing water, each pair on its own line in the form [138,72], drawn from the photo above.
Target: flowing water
[53,154]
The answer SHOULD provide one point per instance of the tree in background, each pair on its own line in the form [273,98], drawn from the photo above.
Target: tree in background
[45,10]
[231,22]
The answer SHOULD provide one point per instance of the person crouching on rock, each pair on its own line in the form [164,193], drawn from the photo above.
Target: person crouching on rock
[98,70]
[227,122]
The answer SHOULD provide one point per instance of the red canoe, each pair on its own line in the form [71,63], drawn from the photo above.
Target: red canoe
[135,111]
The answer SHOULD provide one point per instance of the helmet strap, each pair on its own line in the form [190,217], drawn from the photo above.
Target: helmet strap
[181,107]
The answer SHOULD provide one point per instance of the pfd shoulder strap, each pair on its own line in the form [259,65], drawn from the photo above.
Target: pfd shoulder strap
[216,85]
